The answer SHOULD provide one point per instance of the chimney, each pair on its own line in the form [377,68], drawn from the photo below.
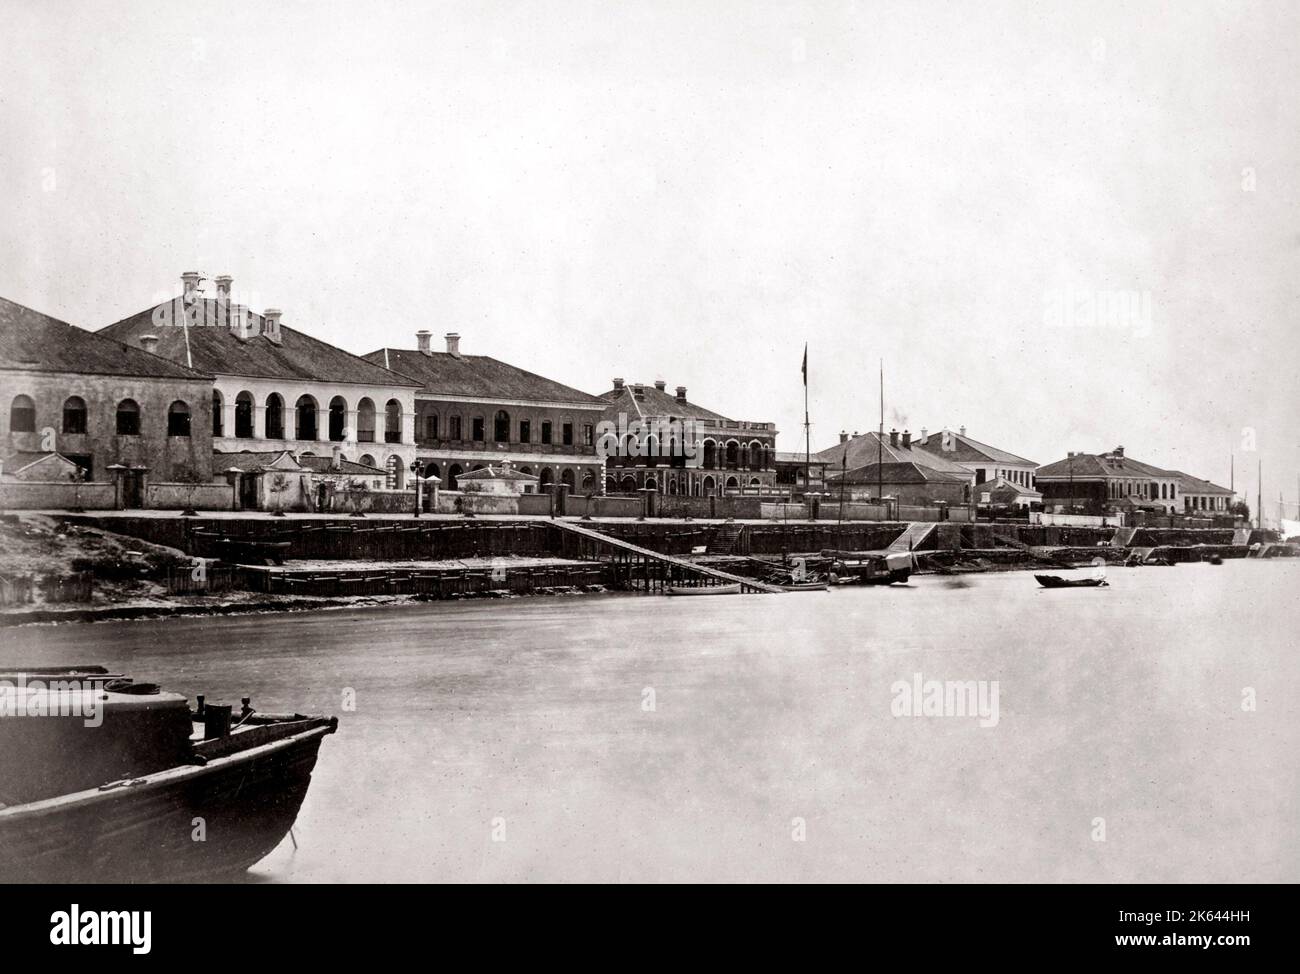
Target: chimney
[638,390]
[422,338]
[844,436]
[962,431]
[271,328]
[618,385]
[661,384]
[191,281]
[1069,454]
[336,457]
[893,437]
[149,343]
[681,394]
[241,322]
[223,286]
[1119,452]
[925,435]
[907,440]
[453,344]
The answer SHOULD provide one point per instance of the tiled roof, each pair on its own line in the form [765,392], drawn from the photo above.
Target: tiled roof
[477,376]
[1092,466]
[868,448]
[214,348]
[255,460]
[33,341]
[966,449]
[657,402]
[1187,484]
[898,472]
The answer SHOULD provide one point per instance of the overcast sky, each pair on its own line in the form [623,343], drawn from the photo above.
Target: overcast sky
[690,191]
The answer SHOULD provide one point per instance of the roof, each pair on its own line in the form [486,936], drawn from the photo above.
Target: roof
[869,448]
[966,449]
[656,402]
[1000,485]
[253,461]
[20,460]
[215,349]
[782,457]
[1187,484]
[495,473]
[1092,466]
[475,376]
[33,341]
[903,472]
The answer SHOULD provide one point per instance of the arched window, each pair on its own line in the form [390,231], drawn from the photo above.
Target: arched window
[732,482]
[710,454]
[367,459]
[588,482]
[305,413]
[501,427]
[22,415]
[432,470]
[128,418]
[567,478]
[178,419]
[709,486]
[217,413]
[366,421]
[338,419]
[453,428]
[628,485]
[756,456]
[393,422]
[74,415]
[733,454]
[545,477]
[274,417]
[244,415]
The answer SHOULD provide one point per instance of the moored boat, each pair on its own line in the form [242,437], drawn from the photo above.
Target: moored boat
[121,782]
[1055,581]
[704,589]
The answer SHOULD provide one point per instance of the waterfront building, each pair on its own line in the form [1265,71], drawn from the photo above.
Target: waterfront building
[115,411]
[1001,492]
[276,388]
[1112,481]
[987,463]
[660,441]
[499,478]
[474,410]
[279,480]
[793,468]
[867,466]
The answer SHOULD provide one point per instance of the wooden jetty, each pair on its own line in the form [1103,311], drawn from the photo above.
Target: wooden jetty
[653,570]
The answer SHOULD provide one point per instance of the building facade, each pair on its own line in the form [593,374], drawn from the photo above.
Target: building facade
[275,388]
[654,440]
[892,465]
[472,411]
[986,463]
[115,411]
[1112,481]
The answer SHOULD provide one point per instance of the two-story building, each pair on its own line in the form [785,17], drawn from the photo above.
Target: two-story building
[474,410]
[985,462]
[664,442]
[1099,482]
[275,388]
[110,409]
[871,466]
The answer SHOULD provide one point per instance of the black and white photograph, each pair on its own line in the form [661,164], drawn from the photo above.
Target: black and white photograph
[646,443]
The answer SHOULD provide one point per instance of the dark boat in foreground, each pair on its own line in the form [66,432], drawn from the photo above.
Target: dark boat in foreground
[1055,581]
[126,784]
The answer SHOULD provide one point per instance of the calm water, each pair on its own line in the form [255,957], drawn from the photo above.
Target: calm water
[1122,704]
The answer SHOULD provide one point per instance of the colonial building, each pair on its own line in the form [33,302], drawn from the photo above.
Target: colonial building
[666,443]
[277,388]
[473,410]
[1200,495]
[868,466]
[113,410]
[986,462]
[793,469]
[1112,481]
[277,480]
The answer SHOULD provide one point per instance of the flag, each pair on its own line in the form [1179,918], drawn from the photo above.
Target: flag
[805,363]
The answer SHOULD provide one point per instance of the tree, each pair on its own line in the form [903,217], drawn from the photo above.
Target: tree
[1240,509]
[356,490]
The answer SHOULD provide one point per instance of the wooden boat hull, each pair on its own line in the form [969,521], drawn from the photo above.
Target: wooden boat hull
[806,587]
[704,589]
[147,830]
[1052,581]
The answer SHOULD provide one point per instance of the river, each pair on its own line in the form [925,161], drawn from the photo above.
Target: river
[755,737]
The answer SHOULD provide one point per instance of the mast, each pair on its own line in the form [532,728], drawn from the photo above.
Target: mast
[1259,497]
[807,436]
[880,441]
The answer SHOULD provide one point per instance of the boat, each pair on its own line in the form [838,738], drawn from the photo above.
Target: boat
[805,587]
[1215,559]
[704,589]
[1055,581]
[128,784]
[869,567]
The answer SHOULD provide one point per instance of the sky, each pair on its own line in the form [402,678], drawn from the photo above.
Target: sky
[1063,226]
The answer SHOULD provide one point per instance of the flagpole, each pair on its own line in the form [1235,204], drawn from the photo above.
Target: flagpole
[880,441]
[807,435]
